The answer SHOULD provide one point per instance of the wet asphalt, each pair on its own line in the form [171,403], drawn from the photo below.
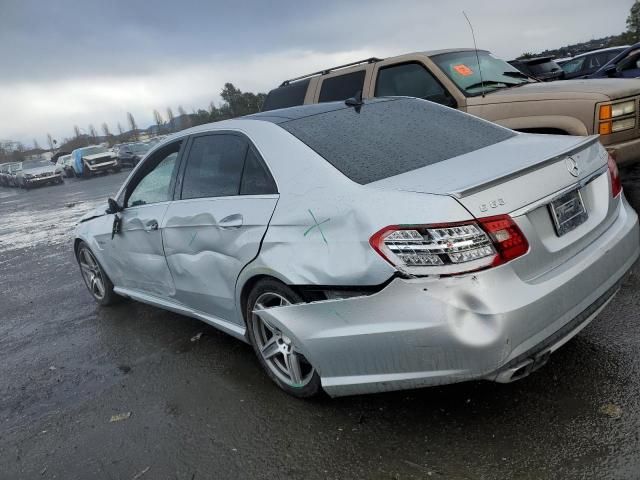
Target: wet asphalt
[202,408]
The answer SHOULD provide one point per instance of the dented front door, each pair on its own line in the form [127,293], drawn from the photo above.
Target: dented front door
[138,248]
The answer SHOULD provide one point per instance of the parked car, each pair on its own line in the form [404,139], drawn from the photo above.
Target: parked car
[12,172]
[4,169]
[373,245]
[544,69]
[65,165]
[587,63]
[94,159]
[38,172]
[57,155]
[504,95]
[624,65]
[131,153]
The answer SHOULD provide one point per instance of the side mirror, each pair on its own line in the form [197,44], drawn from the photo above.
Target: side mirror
[114,207]
[610,70]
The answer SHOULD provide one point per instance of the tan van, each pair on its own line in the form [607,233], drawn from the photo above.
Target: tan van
[497,92]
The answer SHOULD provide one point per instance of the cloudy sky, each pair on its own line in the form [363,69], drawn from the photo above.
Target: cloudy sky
[81,62]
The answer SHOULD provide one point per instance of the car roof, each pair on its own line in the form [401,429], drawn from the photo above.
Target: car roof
[621,48]
[433,53]
[294,113]
[277,116]
[533,60]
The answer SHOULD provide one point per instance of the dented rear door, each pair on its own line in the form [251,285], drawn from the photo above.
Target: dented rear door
[217,226]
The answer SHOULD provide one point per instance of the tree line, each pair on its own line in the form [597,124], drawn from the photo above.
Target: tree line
[628,37]
[235,103]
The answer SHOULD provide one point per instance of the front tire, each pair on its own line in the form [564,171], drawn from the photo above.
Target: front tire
[277,354]
[95,278]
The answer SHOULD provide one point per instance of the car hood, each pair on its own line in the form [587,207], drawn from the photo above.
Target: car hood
[594,89]
[99,211]
[37,170]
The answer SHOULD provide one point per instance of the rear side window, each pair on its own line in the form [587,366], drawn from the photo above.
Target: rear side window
[389,137]
[341,87]
[290,95]
[214,166]
[256,179]
[411,80]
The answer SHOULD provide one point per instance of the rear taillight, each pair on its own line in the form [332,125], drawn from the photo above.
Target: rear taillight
[616,183]
[451,248]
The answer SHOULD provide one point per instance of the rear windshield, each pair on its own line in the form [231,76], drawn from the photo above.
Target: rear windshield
[289,95]
[544,67]
[392,136]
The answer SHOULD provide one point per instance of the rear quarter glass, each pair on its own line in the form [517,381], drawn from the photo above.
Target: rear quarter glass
[393,136]
[289,95]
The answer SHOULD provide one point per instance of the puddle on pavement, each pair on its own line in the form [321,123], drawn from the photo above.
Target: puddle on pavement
[31,228]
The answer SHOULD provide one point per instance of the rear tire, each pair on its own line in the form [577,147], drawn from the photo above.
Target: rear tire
[277,354]
[95,278]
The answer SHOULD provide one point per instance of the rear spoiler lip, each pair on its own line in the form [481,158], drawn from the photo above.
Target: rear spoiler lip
[470,190]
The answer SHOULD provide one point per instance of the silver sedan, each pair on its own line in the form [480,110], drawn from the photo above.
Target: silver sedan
[370,246]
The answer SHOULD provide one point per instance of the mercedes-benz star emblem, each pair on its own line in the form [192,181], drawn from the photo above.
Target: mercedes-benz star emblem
[572,166]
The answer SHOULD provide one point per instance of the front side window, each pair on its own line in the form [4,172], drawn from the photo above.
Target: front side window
[155,185]
[214,166]
[463,69]
[411,80]
[341,87]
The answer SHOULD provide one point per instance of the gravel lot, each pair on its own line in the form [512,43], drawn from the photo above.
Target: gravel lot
[124,392]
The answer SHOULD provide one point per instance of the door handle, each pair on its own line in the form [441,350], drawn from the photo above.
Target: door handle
[151,225]
[232,221]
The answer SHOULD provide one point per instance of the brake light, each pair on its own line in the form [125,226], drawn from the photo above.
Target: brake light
[509,241]
[451,248]
[614,173]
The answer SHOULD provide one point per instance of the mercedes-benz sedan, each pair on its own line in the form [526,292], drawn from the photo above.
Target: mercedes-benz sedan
[370,246]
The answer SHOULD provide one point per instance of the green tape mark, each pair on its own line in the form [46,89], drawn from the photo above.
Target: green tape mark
[317,225]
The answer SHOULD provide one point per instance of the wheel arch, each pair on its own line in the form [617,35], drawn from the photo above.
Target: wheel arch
[249,281]
[546,123]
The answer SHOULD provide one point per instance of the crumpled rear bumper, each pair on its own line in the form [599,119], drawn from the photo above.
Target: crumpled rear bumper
[428,331]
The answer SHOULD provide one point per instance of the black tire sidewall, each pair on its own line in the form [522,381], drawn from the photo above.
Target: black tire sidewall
[312,388]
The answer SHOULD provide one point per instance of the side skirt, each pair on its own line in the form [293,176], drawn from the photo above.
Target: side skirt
[232,329]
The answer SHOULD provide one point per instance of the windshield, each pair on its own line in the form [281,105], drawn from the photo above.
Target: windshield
[139,148]
[28,164]
[462,69]
[544,67]
[93,150]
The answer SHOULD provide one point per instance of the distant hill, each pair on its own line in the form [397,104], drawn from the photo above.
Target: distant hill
[578,48]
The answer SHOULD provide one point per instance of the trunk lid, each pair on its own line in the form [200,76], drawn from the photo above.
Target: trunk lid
[521,177]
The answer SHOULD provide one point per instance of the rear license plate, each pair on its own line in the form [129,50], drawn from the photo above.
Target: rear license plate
[568,212]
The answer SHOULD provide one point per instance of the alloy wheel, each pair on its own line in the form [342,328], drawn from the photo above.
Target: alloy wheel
[91,273]
[276,349]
